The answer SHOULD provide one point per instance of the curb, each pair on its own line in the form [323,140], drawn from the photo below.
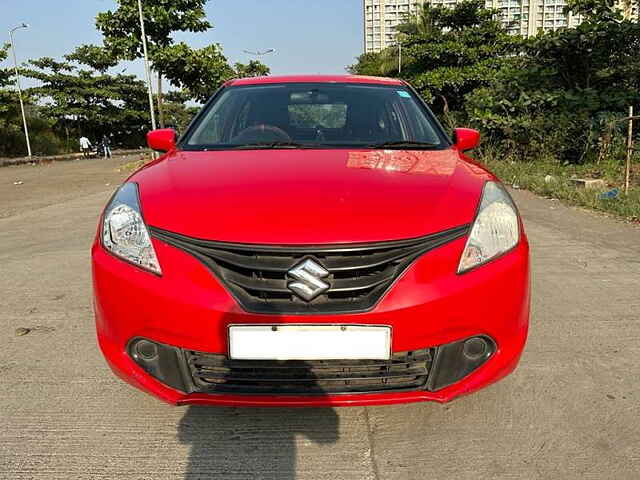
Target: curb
[7,162]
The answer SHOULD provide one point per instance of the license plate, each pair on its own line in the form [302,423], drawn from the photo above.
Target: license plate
[309,342]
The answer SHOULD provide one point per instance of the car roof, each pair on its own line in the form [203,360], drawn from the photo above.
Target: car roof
[314,79]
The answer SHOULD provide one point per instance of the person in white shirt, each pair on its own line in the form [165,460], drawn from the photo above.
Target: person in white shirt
[85,146]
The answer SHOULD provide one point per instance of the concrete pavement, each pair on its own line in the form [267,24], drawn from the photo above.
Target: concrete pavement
[571,410]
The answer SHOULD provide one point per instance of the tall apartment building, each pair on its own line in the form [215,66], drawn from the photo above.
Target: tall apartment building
[524,17]
[381,18]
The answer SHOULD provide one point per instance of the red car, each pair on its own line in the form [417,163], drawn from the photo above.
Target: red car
[309,241]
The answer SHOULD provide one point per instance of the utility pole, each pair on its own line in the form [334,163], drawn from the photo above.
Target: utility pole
[146,66]
[399,57]
[160,102]
[15,63]
[629,152]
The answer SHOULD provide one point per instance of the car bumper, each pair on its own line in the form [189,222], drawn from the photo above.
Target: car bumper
[429,306]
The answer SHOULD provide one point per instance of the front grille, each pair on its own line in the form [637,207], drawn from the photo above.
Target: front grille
[217,374]
[359,274]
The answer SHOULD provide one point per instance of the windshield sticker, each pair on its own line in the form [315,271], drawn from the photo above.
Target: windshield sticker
[403,94]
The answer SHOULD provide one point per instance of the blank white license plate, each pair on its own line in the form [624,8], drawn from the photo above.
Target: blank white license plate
[309,342]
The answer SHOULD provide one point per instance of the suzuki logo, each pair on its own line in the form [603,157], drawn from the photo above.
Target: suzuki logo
[309,284]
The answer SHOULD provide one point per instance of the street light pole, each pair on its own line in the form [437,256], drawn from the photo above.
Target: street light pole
[15,63]
[146,66]
[259,53]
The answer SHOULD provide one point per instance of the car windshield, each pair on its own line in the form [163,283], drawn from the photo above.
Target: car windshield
[319,115]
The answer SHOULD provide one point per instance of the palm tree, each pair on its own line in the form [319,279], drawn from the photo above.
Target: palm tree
[422,23]
[388,59]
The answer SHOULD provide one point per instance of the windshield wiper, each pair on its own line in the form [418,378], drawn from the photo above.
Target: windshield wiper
[403,144]
[267,145]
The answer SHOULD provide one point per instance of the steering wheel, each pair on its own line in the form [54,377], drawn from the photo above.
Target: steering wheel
[261,133]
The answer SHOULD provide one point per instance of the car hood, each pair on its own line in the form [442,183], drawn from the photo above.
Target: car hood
[310,196]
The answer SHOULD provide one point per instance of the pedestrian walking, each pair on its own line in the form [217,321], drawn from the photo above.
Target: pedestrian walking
[106,146]
[85,146]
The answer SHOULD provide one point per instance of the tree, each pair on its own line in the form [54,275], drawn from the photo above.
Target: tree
[78,94]
[455,51]
[80,100]
[5,80]
[121,28]
[122,31]
[252,69]
[199,71]
[98,58]
[378,64]
[12,140]
[556,96]
[448,52]
[178,113]
[9,125]
[366,64]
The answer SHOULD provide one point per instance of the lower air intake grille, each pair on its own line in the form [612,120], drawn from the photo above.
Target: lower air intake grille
[217,374]
[357,275]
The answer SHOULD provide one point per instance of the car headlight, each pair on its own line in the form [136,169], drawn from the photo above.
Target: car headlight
[495,230]
[123,230]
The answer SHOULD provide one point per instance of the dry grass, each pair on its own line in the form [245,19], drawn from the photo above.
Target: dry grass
[553,180]
[136,164]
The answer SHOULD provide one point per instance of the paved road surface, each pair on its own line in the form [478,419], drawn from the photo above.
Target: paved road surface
[571,411]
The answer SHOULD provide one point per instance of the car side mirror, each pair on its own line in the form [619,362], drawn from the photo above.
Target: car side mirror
[466,138]
[162,140]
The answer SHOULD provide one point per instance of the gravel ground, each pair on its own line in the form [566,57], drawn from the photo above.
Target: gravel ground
[57,182]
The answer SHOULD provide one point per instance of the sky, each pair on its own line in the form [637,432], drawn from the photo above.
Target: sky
[309,36]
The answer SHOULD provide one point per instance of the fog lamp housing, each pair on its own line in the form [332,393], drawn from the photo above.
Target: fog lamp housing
[163,362]
[454,361]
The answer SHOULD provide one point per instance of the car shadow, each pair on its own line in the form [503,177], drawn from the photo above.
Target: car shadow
[252,443]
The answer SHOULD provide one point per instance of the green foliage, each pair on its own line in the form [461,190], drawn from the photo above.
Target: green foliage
[7,100]
[74,96]
[447,52]
[178,115]
[12,139]
[381,64]
[121,28]
[5,73]
[98,58]
[552,98]
[78,95]
[557,95]
[456,51]
[198,71]
[79,100]
[252,69]
[599,9]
